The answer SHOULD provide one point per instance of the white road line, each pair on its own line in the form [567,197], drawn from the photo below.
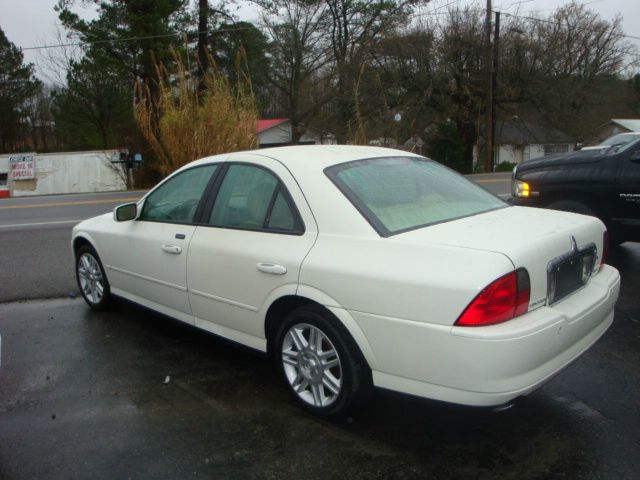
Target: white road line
[39,224]
[504,195]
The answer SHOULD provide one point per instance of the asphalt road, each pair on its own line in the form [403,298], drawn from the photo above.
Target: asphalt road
[35,259]
[35,255]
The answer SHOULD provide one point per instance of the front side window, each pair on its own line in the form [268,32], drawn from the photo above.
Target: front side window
[176,200]
[398,194]
[252,198]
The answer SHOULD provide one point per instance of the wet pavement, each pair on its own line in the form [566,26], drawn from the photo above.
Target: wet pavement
[82,395]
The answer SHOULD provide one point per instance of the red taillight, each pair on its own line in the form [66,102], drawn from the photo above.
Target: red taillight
[605,249]
[504,299]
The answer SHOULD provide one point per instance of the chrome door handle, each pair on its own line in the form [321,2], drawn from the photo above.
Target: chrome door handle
[271,268]
[171,249]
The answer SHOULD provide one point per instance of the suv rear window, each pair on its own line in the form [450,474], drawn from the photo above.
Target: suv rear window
[397,194]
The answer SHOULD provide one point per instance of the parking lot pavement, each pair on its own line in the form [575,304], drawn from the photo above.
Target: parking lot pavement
[83,395]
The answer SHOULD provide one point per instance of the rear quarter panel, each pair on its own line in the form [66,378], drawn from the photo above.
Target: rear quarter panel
[400,279]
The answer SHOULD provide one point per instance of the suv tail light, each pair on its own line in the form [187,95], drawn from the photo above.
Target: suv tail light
[502,300]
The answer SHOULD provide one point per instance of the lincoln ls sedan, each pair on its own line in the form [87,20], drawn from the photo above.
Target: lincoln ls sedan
[359,267]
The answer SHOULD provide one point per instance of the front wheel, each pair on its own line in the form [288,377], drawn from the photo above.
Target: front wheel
[320,363]
[91,278]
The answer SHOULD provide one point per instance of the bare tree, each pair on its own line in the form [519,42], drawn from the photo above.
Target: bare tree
[299,58]
[40,119]
[54,63]
[355,28]
[566,66]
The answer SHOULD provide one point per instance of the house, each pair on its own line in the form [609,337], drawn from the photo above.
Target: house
[615,126]
[274,132]
[277,132]
[517,140]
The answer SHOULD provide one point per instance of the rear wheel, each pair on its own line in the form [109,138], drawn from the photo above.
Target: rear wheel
[92,281]
[320,363]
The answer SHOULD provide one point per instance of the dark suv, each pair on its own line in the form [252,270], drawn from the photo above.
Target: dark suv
[603,181]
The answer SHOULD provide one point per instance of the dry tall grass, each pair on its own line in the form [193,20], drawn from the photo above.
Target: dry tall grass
[360,135]
[186,122]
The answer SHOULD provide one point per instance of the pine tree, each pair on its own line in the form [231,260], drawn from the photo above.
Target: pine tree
[17,85]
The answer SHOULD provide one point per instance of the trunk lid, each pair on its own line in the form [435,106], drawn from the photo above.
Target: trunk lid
[530,237]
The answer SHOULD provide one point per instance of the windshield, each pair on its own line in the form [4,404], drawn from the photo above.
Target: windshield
[398,194]
[621,140]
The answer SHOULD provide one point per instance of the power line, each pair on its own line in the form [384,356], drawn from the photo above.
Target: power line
[517,4]
[175,34]
[434,12]
[148,37]
[558,24]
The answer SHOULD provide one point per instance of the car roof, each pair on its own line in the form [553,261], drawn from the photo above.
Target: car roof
[299,158]
[332,211]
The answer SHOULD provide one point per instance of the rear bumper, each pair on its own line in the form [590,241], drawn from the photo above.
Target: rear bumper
[488,366]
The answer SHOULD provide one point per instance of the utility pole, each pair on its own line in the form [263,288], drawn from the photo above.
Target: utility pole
[494,85]
[488,133]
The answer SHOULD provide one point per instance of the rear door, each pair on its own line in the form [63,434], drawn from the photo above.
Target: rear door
[248,249]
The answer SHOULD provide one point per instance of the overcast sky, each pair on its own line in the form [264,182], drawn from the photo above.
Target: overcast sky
[30,23]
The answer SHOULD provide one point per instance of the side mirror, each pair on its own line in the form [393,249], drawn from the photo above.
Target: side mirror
[123,213]
[635,156]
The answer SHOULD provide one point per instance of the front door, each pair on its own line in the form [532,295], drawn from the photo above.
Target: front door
[149,257]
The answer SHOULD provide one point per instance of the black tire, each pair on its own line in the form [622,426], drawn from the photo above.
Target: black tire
[352,371]
[94,285]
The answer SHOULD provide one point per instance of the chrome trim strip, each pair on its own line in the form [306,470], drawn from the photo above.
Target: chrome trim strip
[224,300]
[150,279]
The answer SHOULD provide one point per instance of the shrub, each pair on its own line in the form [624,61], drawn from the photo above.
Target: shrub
[505,166]
[188,117]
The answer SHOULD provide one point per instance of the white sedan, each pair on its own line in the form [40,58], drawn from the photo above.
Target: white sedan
[357,267]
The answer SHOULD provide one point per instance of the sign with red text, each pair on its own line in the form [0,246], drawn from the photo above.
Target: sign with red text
[22,167]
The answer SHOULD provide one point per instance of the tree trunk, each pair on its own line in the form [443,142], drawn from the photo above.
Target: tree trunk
[296,132]
[203,33]
[468,133]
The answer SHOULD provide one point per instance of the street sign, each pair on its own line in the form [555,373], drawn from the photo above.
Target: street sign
[22,167]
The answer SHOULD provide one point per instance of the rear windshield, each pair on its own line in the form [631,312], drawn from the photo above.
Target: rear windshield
[398,194]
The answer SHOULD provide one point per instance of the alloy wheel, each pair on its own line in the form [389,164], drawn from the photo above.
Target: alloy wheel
[90,278]
[312,365]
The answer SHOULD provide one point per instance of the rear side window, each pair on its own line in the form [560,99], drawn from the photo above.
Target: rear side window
[252,198]
[398,194]
[281,217]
